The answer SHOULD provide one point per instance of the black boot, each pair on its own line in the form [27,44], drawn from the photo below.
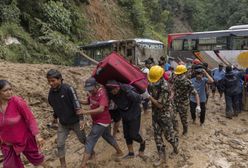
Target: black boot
[185,130]
[142,146]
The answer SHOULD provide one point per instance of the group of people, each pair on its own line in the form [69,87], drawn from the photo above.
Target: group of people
[170,92]
[232,83]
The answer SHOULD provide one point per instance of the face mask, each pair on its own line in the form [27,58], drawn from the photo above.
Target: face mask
[180,77]
[156,84]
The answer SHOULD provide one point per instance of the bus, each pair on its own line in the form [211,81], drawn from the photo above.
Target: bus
[136,50]
[229,47]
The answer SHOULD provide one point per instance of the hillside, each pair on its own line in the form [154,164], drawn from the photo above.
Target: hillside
[107,21]
[222,143]
[49,31]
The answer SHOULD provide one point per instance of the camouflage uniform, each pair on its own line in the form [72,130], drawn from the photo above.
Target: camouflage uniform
[172,108]
[183,89]
[161,118]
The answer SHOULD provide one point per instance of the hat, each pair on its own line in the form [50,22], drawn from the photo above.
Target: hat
[199,66]
[90,84]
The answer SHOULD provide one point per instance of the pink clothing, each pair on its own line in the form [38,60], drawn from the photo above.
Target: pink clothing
[100,99]
[16,123]
[31,151]
[246,77]
[166,76]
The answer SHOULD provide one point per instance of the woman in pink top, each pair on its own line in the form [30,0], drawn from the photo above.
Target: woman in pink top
[18,130]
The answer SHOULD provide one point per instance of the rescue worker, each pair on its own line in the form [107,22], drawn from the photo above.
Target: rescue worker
[183,89]
[173,107]
[161,115]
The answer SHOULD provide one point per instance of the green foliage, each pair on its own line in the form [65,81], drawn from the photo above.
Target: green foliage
[9,12]
[137,13]
[49,30]
[138,17]
[77,31]
[213,15]
[58,16]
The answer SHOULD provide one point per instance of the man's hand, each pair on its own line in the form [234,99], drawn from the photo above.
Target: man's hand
[198,110]
[145,95]
[81,112]
[204,71]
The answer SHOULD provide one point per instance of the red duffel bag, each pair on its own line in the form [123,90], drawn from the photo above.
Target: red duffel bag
[115,67]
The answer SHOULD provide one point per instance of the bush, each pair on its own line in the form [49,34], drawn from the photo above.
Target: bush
[57,16]
[9,13]
[59,43]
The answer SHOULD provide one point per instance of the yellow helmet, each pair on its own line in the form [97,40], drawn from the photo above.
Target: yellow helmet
[180,69]
[155,73]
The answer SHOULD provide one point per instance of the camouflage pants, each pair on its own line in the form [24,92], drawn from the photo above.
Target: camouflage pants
[174,119]
[173,114]
[182,109]
[162,125]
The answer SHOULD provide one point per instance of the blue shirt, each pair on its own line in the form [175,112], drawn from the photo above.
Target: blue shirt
[218,75]
[200,86]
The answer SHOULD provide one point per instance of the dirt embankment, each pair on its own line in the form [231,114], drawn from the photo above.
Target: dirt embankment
[222,143]
[107,21]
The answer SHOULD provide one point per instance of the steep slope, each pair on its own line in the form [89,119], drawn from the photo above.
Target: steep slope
[106,20]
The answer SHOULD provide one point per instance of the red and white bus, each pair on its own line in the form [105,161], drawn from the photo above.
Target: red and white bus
[224,46]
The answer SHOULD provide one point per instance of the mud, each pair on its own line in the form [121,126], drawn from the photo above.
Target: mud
[221,143]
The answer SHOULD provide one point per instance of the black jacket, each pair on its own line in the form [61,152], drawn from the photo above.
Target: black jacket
[128,102]
[231,84]
[64,102]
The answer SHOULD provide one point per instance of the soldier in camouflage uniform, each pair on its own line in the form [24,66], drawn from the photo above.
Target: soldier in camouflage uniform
[161,116]
[172,107]
[183,88]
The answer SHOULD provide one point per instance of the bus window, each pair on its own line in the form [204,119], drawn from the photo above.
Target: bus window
[210,40]
[177,45]
[206,43]
[129,52]
[189,45]
[221,43]
[240,43]
[221,40]
[204,47]
[98,55]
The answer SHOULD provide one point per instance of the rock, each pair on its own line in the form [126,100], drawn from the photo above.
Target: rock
[240,131]
[221,163]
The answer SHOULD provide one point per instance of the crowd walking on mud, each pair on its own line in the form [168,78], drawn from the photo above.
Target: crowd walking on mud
[171,93]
